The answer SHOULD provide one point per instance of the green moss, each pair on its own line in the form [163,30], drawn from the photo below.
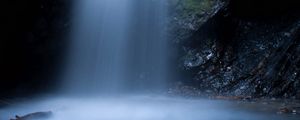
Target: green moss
[188,7]
[197,5]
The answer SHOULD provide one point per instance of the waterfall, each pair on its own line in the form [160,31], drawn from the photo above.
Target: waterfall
[117,46]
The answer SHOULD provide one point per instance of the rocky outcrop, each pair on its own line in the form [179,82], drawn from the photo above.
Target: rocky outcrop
[238,50]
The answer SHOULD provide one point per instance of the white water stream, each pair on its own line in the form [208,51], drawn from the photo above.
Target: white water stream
[117,46]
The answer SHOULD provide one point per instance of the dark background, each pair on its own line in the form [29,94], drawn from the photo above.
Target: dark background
[32,44]
[263,8]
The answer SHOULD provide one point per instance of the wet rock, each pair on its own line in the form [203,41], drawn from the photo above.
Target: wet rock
[284,110]
[189,15]
[298,95]
[186,91]
[193,60]
[250,55]
[35,116]
[231,97]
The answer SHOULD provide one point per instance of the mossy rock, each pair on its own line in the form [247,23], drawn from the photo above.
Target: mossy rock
[188,7]
[197,5]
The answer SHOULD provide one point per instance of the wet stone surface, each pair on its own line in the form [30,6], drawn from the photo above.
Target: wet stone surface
[236,53]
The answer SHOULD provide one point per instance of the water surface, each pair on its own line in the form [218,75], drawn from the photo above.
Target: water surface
[142,108]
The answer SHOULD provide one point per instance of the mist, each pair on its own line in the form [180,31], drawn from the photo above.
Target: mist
[150,60]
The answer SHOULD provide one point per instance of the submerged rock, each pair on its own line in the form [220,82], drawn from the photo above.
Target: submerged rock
[35,116]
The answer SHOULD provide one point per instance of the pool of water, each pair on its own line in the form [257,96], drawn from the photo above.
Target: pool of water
[141,108]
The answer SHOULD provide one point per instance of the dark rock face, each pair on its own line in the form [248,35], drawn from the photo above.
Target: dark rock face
[32,44]
[245,49]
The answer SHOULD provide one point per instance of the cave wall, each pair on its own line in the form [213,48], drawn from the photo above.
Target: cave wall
[243,48]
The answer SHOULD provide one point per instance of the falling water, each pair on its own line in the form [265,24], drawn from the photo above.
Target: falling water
[117,45]
[120,46]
